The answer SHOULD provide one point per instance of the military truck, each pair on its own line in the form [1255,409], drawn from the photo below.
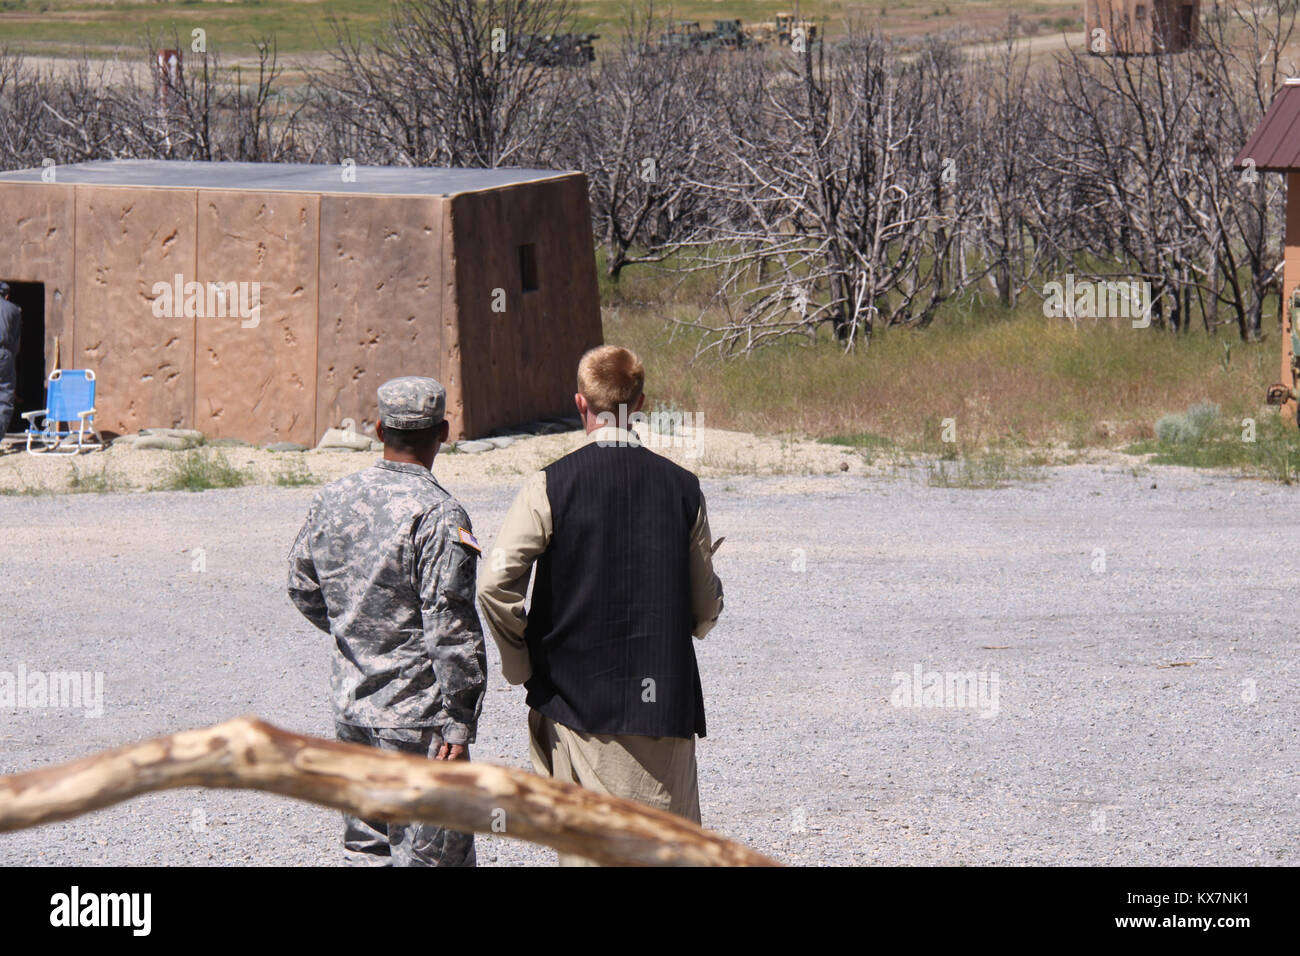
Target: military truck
[559,49]
[730,33]
[685,35]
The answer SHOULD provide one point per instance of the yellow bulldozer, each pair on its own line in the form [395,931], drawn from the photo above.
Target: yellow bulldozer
[786,28]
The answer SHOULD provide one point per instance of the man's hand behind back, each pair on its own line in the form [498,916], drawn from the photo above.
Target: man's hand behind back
[451,752]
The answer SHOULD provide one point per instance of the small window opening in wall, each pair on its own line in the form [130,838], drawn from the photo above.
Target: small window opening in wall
[528,267]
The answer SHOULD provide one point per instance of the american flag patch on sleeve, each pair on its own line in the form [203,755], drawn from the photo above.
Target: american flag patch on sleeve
[469,540]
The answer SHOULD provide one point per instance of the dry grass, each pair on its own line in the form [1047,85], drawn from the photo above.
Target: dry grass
[1014,380]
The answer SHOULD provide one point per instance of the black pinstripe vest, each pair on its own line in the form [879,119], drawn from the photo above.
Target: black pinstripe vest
[609,628]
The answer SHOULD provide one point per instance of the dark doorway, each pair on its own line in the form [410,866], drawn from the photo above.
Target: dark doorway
[30,299]
[1186,24]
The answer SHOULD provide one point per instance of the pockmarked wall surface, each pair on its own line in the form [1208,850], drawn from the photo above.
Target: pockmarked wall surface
[268,302]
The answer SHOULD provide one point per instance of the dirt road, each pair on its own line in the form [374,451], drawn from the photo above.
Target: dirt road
[1130,640]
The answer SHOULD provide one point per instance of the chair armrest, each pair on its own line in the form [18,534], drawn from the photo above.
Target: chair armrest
[89,411]
[39,413]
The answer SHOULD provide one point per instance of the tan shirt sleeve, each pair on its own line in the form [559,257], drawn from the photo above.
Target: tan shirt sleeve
[706,588]
[503,577]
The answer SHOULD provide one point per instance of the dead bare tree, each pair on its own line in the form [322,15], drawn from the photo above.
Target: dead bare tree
[172,110]
[1020,200]
[1124,138]
[842,181]
[1147,144]
[1240,215]
[646,120]
[23,117]
[84,121]
[447,83]
[263,124]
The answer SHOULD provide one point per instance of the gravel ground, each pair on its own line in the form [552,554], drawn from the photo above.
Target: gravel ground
[1146,709]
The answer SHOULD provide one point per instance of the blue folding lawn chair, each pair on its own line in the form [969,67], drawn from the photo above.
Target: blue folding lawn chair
[69,400]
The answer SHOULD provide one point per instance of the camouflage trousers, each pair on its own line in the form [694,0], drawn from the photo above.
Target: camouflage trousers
[371,843]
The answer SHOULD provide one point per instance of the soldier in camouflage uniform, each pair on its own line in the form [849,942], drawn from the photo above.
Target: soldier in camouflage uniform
[386,563]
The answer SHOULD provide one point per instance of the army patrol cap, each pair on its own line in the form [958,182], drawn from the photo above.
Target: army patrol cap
[411,402]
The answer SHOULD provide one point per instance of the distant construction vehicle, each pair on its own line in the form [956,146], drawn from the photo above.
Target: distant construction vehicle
[681,36]
[559,49]
[732,34]
[685,35]
[786,28]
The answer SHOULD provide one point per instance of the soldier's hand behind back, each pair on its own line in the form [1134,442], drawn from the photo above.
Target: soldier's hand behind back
[451,752]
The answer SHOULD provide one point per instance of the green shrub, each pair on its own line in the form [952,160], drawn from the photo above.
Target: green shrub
[295,473]
[99,482]
[1190,427]
[201,470]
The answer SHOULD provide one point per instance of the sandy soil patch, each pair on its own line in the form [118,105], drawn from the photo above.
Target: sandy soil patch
[714,453]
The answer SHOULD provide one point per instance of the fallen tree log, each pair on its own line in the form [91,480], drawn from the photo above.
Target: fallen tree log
[249,754]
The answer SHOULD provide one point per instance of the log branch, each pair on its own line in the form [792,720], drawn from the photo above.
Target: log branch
[248,754]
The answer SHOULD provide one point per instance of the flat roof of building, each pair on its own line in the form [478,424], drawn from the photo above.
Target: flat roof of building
[286,177]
